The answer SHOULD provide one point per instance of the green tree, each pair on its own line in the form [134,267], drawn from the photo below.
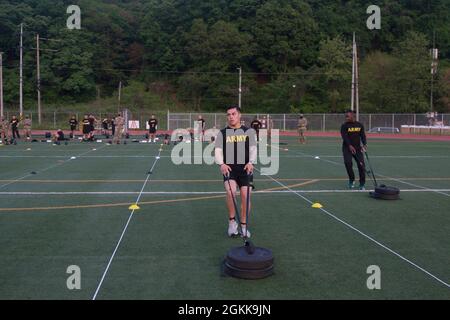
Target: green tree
[214,54]
[68,74]
[378,83]
[285,35]
[443,91]
[335,64]
[413,73]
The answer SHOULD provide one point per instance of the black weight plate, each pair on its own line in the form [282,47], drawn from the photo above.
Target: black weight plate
[247,274]
[387,190]
[389,196]
[239,257]
[384,196]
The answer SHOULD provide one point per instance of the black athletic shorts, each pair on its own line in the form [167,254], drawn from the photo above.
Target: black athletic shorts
[86,129]
[241,177]
[152,130]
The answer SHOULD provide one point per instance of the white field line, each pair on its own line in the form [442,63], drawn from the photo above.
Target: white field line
[124,229]
[365,235]
[65,193]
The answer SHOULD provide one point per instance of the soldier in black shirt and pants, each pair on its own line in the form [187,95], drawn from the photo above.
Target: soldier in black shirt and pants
[73,125]
[353,146]
[14,127]
[153,126]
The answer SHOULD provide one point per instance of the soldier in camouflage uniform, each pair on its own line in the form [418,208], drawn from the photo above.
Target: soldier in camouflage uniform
[4,130]
[119,122]
[27,127]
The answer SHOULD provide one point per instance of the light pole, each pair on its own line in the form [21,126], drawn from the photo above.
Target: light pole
[38,74]
[240,87]
[434,66]
[120,92]
[38,70]
[355,84]
[21,73]
[1,84]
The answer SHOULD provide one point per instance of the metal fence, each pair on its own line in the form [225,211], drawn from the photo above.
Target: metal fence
[316,122]
[286,122]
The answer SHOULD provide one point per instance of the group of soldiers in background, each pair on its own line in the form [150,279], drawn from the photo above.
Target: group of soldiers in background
[264,123]
[9,129]
[267,123]
[13,125]
[115,126]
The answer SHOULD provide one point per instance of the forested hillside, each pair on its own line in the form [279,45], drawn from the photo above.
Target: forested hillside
[295,54]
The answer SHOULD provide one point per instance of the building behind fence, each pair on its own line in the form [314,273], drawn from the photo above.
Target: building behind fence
[286,122]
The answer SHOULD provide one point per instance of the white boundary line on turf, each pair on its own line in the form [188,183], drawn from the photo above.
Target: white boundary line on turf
[417,186]
[380,157]
[64,193]
[193,156]
[363,234]
[125,228]
[386,177]
[48,168]
[15,180]
[102,156]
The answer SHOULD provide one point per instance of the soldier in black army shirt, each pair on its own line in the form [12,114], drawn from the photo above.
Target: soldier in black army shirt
[235,153]
[353,146]
[14,127]
[73,125]
[152,127]
[86,123]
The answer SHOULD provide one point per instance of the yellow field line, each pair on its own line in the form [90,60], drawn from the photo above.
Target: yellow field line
[121,204]
[292,186]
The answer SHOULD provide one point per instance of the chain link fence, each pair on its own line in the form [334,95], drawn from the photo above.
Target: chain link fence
[316,122]
[285,122]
